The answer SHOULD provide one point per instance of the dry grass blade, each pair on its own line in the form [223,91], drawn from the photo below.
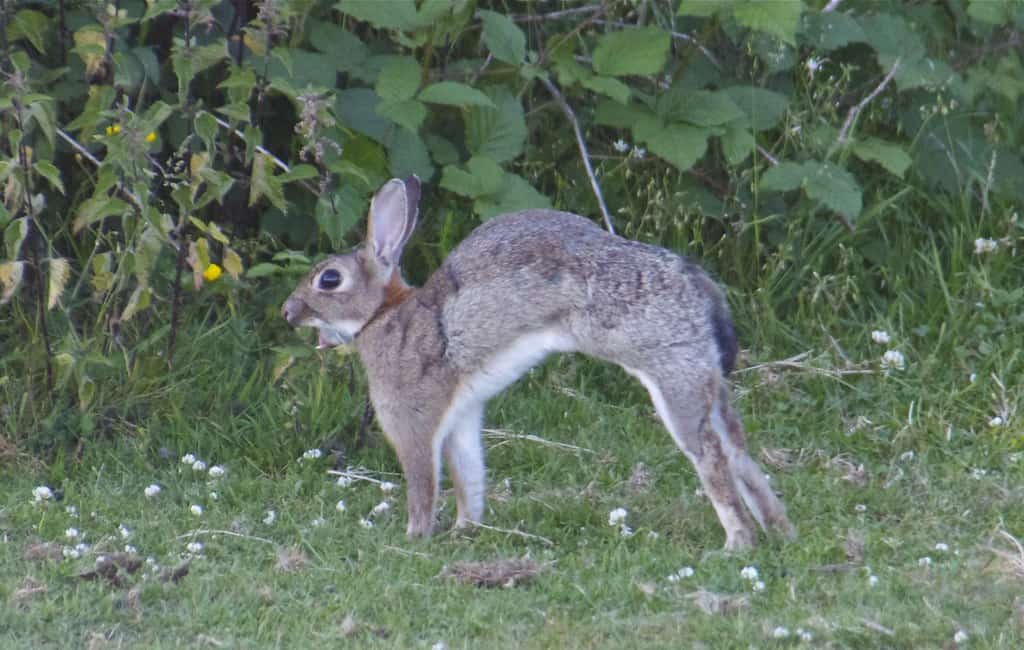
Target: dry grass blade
[710,602]
[509,531]
[494,573]
[505,436]
[1011,560]
[28,590]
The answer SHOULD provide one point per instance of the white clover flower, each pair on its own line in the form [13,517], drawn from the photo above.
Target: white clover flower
[880,336]
[124,531]
[381,508]
[996,421]
[860,507]
[270,517]
[621,145]
[813,65]
[317,522]
[129,549]
[199,466]
[872,580]
[749,573]
[673,577]
[194,547]
[978,473]
[340,507]
[617,516]
[214,496]
[217,471]
[312,454]
[440,645]
[81,547]
[780,632]
[907,456]
[972,377]
[983,246]
[387,487]
[71,533]
[365,523]
[42,493]
[188,459]
[70,552]
[344,481]
[152,490]
[893,359]
[685,572]
[924,561]
[653,534]
[71,510]
[960,637]
[758,586]
[625,531]
[805,635]
[196,509]
[942,547]
[639,153]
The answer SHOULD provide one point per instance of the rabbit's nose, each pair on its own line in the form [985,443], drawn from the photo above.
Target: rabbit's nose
[290,311]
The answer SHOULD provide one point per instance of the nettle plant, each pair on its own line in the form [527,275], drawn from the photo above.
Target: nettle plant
[146,141]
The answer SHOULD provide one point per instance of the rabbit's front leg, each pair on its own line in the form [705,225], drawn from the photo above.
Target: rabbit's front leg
[421,467]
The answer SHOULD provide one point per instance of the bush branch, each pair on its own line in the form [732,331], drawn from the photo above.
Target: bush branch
[851,116]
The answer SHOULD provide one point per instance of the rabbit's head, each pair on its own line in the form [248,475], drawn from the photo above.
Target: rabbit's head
[345,292]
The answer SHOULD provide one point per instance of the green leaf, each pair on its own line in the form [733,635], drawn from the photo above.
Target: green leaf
[96,209]
[503,37]
[264,184]
[481,177]
[297,69]
[703,8]
[764,108]
[892,157]
[357,109]
[609,86]
[344,48]
[206,129]
[705,108]
[453,93]
[497,133]
[830,30]
[393,14]
[408,113]
[836,188]
[299,172]
[636,50]
[992,12]
[786,176]
[779,18]
[262,270]
[31,25]
[680,144]
[49,171]
[625,116]
[516,194]
[42,111]
[14,236]
[737,143]
[336,213]
[399,79]
[237,111]
[408,155]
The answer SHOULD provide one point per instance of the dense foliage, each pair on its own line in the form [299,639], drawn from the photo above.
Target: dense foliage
[148,146]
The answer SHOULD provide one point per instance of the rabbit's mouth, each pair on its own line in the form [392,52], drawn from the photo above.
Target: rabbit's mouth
[329,338]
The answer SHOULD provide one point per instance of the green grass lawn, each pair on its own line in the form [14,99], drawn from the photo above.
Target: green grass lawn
[896,479]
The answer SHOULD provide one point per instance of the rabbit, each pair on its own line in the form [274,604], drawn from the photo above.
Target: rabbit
[518,288]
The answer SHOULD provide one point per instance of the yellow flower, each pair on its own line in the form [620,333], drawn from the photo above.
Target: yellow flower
[114,129]
[212,272]
[151,136]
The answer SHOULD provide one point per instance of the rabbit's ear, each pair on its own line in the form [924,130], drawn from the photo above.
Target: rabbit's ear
[393,213]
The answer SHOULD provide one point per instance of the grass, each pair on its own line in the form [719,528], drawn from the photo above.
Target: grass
[906,496]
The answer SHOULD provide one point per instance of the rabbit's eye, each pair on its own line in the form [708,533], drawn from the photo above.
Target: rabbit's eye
[330,279]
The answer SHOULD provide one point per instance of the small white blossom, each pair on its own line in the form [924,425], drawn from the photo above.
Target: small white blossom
[317,522]
[381,508]
[983,246]
[199,466]
[340,507]
[780,632]
[129,549]
[42,493]
[344,481]
[978,473]
[749,573]
[996,421]
[214,496]
[440,645]
[365,523]
[621,145]
[653,534]
[70,552]
[188,459]
[893,359]
[216,471]
[942,547]
[906,456]
[812,66]
[312,454]
[617,516]
[625,531]
[674,577]
[872,580]
[270,517]
[639,153]
[387,487]
[972,377]
[71,533]
[194,547]
[960,637]
[805,635]
[924,561]
[685,572]
[880,336]
[152,490]
[196,509]
[124,531]
[758,586]
[71,510]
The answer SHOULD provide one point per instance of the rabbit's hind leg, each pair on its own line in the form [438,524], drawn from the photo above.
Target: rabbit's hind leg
[464,455]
